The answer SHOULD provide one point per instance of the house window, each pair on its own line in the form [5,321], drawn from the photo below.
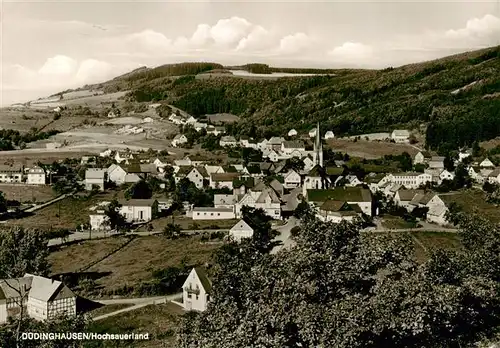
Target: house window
[196,297]
[211,214]
[218,214]
[208,298]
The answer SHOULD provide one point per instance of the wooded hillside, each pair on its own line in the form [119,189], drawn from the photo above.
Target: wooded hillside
[457,98]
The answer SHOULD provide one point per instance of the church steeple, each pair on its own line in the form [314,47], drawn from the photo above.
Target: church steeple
[318,148]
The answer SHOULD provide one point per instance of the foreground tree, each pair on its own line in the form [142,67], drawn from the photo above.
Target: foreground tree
[340,288]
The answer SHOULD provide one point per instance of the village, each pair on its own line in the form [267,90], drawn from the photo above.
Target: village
[280,176]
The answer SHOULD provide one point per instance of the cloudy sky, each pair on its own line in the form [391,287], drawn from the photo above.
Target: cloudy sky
[47,46]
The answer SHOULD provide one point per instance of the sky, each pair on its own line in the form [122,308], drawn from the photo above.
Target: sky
[48,46]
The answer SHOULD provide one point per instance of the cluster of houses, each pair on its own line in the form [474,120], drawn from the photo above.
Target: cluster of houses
[34,175]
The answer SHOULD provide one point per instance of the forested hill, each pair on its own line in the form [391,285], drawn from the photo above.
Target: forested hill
[457,97]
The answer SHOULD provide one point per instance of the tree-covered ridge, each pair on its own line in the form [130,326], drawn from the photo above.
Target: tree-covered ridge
[341,288]
[353,102]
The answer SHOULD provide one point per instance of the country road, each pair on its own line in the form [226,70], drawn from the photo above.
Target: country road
[137,303]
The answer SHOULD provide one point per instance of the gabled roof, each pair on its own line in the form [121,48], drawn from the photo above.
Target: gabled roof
[202,276]
[426,154]
[276,140]
[316,171]
[95,173]
[222,199]
[437,159]
[202,170]
[268,192]
[422,198]
[408,195]
[228,139]
[334,170]
[348,194]
[494,173]
[45,289]
[179,136]
[224,176]
[248,182]
[241,225]
[401,133]
[184,170]
[293,144]
[16,168]
[138,202]
[333,205]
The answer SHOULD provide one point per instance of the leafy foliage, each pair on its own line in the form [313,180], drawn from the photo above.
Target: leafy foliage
[23,251]
[340,288]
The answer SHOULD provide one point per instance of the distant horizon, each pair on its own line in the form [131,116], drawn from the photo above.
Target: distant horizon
[100,81]
[90,42]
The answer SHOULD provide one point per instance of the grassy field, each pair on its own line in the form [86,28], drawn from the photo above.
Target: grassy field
[395,222]
[134,263]
[67,213]
[474,201]
[187,223]
[27,193]
[24,119]
[425,242]
[109,309]
[369,149]
[159,321]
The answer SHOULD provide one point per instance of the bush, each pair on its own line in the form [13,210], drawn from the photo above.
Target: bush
[294,232]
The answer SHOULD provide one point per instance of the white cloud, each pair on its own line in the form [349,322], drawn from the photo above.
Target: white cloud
[229,32]
[149,40]
[257,40]
[58,65]
[352,52]
[291,44]
[477,28]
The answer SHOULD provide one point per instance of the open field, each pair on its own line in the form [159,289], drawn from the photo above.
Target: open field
[33,156]
[370,149]
[27,193]
[135,262]
[109,309]
[395,222]
[425,242]
[187,223]
[23,120]
[474,201]
[83,97]
[160,321]
[67,213]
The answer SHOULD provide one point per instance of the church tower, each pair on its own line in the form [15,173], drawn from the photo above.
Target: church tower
[318,148]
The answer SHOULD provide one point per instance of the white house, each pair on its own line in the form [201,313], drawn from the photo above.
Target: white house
[436,162]
[312,133]
[292,133]
[225,201]
[486,163]
[36,176]
[196,290]
[139,210]
[179,139]
[220,180]
[215,130]
[98,217]
[409,180]
[241,230]
[400,136]
[292,179]
[191,120]
[194,174]
[352,195]
[116,174]
[445,175]
[106,153]
[403,197]
[198,126]
[228,140]
[123,157]
[212,213]
[437,211]
[329,135]
[42,297]
[11,174]
[337,211]
[262,145]
[494,176]
[95,177]
[290,148]
[314,180]
[422,157]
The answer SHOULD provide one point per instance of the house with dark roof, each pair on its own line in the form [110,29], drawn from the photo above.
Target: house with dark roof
[42,298]
[241,230]
[337,211]
[139,210]
[352,195]
[293,148]
[196,175]
[422,157]
[12,173]
[196,290]
[403,197]
[220,180]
